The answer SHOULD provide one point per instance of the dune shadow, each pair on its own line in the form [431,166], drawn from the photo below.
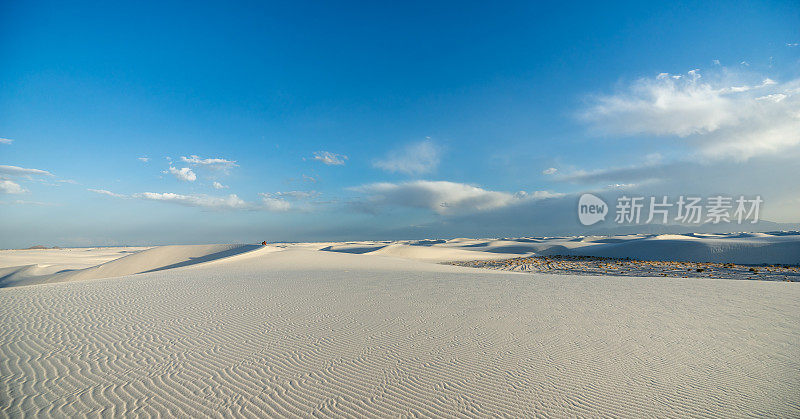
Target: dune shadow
[353,250]
[427,242]
[483,244]
[207,258]
[517,250]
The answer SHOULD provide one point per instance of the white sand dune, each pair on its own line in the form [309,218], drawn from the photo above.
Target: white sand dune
[515,247]
[436,254]
[417,252]
[74,258]
[302,332]
[313,329]
[355,248]
[48,266]
[755,250]
[742,248]
[149,260]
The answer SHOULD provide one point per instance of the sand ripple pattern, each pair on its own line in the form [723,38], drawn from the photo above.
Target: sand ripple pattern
[228,342]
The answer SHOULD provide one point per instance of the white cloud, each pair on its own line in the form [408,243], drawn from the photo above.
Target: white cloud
[271,203]
[290,200]
[107,193]
[143,159]
[413,159]
[792,44]
[720,119]
[6,141]
[218,185]
[213,163]
[21,171]
[331,159]
[653,158]
[185,174]
[35,203]
[649,171]
[230,202]
[9,187]
[443,197]
[204,201]
[622,186]
[297,194]
[550,171]
[303,178]
[775,97]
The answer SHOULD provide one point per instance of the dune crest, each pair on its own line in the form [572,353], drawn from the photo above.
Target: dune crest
[741,248]
[81,264]
[150,260]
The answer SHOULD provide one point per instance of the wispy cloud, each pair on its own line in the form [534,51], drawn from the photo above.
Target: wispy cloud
[107,193]
[291,200]
[273,203]
[21,171]
[331,159]
[268,202]
[33,203]
[550,171]
[184,174]
[297,194]
[443,197]
[217,185]
[412,159]
[143,159]
[720,118]
[6,141]
[9,187]
[211,163]
[622,186]
[203,201]
[648,171]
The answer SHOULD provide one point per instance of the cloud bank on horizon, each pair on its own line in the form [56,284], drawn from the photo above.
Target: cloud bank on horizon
[469,146]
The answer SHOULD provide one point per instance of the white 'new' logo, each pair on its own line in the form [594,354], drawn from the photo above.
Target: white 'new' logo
[591,209]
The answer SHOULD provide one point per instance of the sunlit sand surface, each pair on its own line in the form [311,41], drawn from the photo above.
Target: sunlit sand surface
[321,329]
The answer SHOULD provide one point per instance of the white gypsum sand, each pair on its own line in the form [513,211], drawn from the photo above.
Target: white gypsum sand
[295,330]
[28,267]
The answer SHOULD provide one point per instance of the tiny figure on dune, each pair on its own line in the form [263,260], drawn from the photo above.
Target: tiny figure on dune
[264,243]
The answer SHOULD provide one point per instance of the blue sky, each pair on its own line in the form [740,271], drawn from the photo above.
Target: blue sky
[449,115]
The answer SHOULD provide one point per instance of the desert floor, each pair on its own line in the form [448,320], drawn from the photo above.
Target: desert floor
[380,329]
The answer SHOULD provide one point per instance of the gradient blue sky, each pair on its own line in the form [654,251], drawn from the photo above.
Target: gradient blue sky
[451,115]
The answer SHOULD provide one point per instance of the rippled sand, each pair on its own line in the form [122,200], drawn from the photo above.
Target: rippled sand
[300,332]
